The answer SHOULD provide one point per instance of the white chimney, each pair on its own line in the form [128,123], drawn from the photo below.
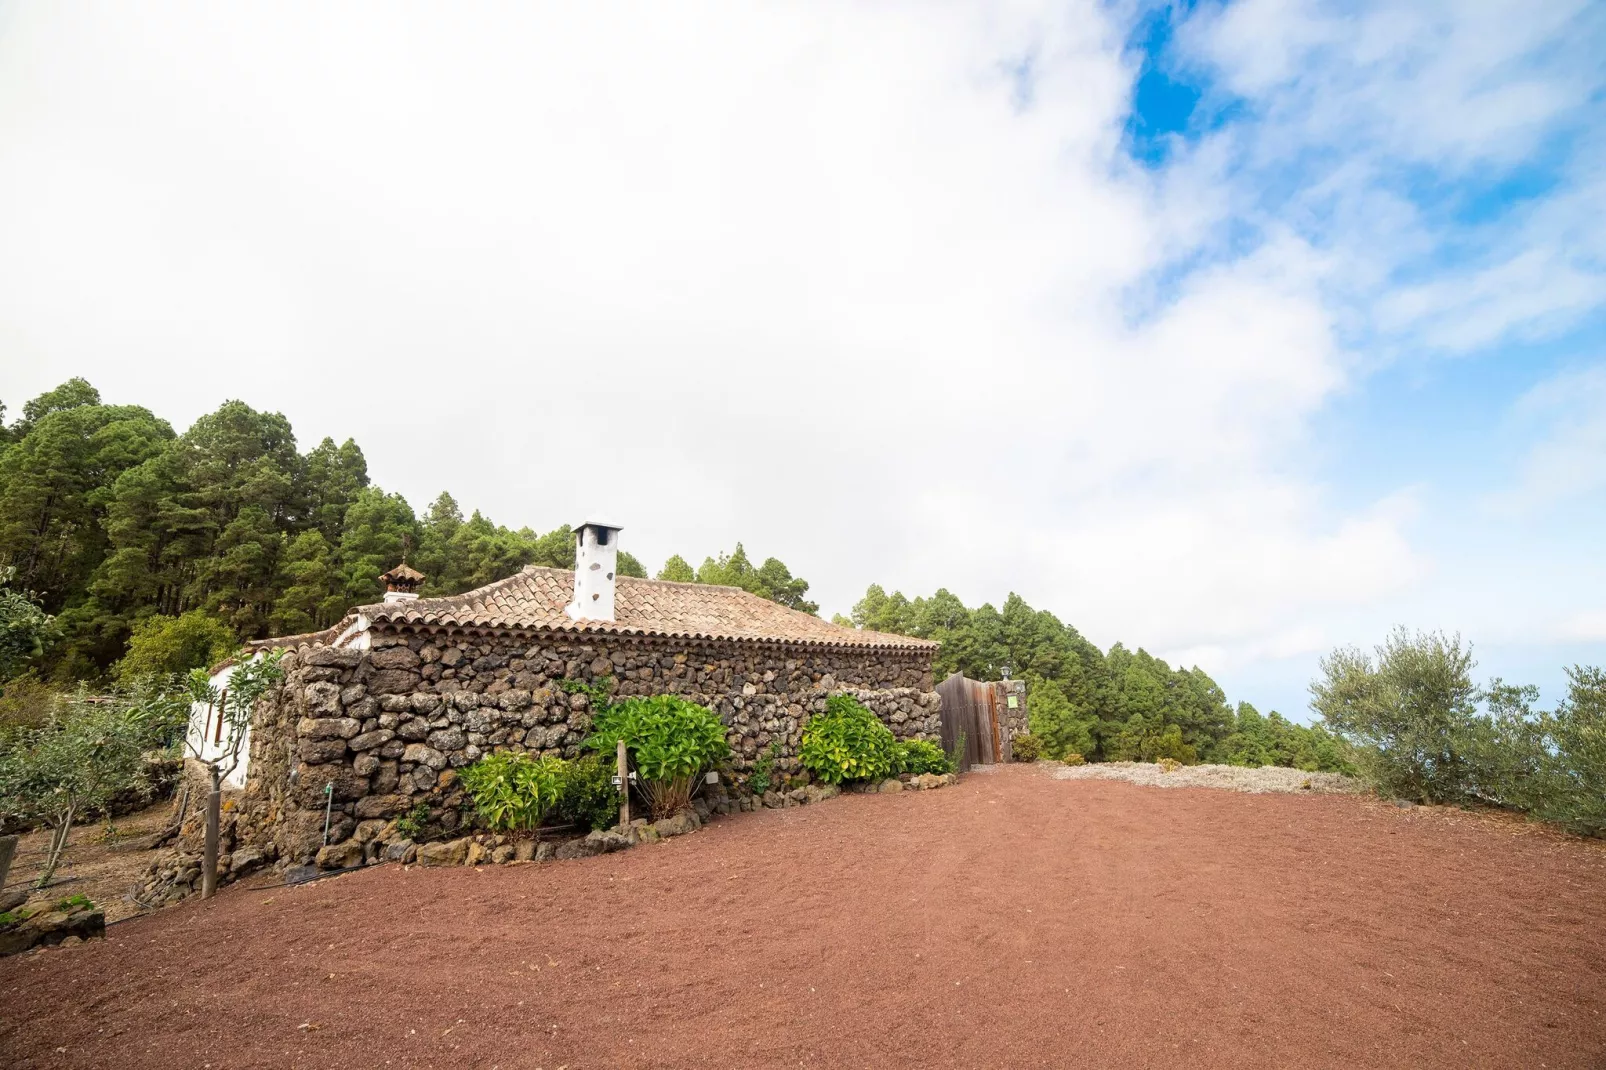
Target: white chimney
[596,553]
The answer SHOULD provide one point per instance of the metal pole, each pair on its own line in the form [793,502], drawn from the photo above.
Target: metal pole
[328,809]
[214,811]
[624,787]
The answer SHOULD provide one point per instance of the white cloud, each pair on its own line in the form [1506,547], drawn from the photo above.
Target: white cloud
[855,303]
[1567,459]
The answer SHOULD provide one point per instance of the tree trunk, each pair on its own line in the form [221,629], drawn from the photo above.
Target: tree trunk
[58,844]
[214,808]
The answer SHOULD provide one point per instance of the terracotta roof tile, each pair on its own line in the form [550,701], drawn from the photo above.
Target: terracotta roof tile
[534,600]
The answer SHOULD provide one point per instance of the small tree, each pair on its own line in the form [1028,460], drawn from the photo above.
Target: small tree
[1411,711]
[1570,754]
[251,679]
[75,764]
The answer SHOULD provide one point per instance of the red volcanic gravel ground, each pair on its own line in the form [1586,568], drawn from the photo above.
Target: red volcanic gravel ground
[1012,920]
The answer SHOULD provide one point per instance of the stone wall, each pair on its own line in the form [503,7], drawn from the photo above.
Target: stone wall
[1011,722]
[386,728]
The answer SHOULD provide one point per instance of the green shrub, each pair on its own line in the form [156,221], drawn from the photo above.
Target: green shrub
[848,742]
[587,796]
[917,756]
[512,791]
[414,822]
[1026,748]
[1074,759]
[761,776]
[26,702]
[162,646]
[671,743]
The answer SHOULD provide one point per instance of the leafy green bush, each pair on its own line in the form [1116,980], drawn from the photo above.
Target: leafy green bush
[162,646]
[1074,759]
[917,756]
[671,743]
[25,629]
[759,780]
[414,822]
[27,702]
[1026,748]
[512,791]
[586,795]
[848,742]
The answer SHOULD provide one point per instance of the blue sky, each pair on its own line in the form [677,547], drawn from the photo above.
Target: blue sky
[1234,331]
[1444,423]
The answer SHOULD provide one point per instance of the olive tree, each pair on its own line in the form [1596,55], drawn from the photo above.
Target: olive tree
[75,764]
[1411,709]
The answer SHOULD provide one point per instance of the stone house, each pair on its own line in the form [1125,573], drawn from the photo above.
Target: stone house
[379,712]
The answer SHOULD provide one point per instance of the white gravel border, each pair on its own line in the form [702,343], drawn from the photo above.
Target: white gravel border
[1267,778]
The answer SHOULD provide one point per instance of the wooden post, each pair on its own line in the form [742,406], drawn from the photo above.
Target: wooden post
[624,788]
[214,807]
[8,848]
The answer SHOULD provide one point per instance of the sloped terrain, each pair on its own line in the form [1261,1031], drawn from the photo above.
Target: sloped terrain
[1012,920]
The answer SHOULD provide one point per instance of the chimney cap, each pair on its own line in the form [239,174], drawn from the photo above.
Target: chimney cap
[402,578]
[597,524]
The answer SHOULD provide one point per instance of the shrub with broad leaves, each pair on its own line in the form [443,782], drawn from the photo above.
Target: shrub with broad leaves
[917,756]
[671,743]
[848,742]
[513,792]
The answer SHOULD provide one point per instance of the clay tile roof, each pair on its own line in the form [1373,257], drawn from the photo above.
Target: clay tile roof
[533,600]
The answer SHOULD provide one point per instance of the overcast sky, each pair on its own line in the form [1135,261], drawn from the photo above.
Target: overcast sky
[1235,333]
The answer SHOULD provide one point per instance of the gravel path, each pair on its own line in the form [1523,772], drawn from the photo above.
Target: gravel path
[1231,777]
[1012,920]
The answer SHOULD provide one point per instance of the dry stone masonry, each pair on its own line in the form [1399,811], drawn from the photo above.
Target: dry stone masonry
[376,716]
[368,734]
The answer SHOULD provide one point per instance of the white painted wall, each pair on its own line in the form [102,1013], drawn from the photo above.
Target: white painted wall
[596,556]
[204,739]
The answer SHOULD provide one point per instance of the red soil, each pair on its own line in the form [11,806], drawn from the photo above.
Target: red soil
[1012,920]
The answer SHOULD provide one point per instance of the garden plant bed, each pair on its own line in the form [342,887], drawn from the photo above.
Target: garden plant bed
[94,866]
[1013,919]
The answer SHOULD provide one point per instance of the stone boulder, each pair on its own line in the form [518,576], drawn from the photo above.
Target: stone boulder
[328,727]
[679,825]
[343,855]
[403,851]
[609,840]
[449,853]
[329,657]
[423,754]
[52,927]
[375,806]
[576,849]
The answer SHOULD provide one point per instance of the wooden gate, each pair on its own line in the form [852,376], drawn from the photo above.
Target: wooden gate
[971,707]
